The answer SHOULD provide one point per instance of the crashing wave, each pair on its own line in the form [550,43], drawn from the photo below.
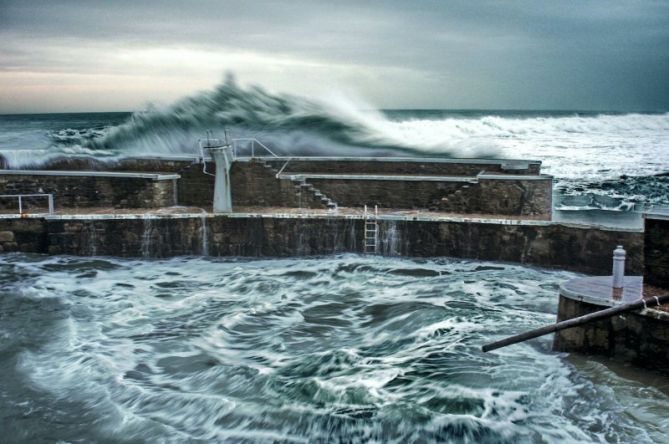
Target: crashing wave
[289,124]
[604,154]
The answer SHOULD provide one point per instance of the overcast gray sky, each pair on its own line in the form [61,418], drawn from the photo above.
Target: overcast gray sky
[88,55]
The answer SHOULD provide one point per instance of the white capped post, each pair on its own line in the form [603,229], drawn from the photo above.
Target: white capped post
[618,267]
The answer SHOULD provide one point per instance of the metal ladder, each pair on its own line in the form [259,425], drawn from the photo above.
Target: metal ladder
[371,230]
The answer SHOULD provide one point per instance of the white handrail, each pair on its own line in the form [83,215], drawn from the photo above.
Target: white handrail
[278,175]
[253,141]
[20,198]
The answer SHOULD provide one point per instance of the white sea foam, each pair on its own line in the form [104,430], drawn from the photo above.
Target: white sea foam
[582,150]
[574,146]
[204,349]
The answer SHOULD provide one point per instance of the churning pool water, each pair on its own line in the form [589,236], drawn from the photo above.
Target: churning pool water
[338,349]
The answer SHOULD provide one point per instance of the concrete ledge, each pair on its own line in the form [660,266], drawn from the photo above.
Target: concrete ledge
[175,158]
[56,173]
[390,177]
[486,176]
[424,217]
[657,214]
[505,163]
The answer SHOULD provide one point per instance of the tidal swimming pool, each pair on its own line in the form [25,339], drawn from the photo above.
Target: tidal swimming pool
[333,349]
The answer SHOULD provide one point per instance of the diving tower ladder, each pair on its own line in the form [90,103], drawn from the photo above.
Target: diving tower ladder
[371,230]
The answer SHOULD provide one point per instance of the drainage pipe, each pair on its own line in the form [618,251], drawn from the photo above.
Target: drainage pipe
[581,320]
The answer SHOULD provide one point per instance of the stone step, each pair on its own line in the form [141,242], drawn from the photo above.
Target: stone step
[301,185]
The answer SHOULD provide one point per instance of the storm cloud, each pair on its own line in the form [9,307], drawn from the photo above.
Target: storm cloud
[100,55]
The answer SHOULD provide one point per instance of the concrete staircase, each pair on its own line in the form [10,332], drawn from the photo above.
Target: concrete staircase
[308,196]
[307,191]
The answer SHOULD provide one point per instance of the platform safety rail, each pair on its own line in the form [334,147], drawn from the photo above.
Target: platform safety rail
[26,203]
[241,147]
[250,144]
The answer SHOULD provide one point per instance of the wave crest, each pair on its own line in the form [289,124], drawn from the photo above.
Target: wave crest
[290,124]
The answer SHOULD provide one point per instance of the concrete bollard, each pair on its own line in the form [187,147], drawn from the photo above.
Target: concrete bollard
[618,267]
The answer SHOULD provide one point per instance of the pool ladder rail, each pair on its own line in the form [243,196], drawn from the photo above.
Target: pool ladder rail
[371,230]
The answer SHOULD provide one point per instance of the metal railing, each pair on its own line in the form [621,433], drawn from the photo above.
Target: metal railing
[249,143]
[27,202]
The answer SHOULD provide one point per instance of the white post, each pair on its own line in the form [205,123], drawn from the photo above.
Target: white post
[222,193]
[618,267]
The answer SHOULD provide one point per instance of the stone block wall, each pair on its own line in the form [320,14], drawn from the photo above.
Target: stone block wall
[640,339]
[23,235]
[657,252]
[127,237]
[388,193]
[126,165]
[92,191]
[516,197]
[488,196]
[218,236]
[195,188]
[552,245]
[297,165]
[255,185]
[586,250]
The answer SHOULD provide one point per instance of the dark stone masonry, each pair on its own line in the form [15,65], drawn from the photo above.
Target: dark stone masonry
[637,338]
[657,249]
[548,245]
[513,189]
[94,191]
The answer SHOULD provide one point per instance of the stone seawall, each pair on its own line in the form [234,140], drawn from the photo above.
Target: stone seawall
[24,235]
[542,244]
[94,191]
[254,183]
[657,250]
[379,165]
[518,197]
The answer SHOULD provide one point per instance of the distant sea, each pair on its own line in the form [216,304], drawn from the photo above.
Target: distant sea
[613,154]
